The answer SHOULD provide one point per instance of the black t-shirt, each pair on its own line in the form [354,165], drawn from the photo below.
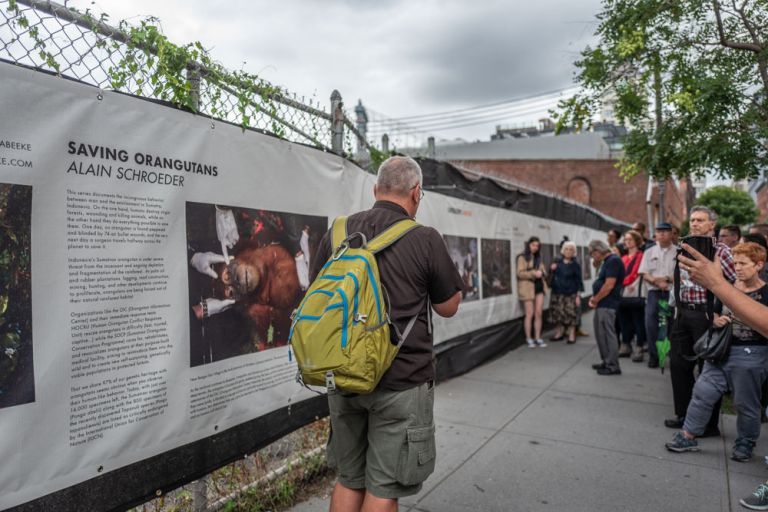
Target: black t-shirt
[743,334]
[415,266]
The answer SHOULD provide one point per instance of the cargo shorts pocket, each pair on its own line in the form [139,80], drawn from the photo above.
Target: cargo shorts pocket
[417,455]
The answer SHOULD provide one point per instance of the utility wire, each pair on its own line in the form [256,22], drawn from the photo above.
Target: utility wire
[505,113]
[485,106]
[405,128]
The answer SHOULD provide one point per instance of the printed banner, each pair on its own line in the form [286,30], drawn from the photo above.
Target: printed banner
[149,263]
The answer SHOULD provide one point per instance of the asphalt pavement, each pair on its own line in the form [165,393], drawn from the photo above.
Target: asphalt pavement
[539,430]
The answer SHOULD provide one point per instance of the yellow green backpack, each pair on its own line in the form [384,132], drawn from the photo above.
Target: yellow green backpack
[340,331]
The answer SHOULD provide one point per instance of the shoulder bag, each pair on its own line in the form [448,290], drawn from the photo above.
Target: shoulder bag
[715,344]
[634,294]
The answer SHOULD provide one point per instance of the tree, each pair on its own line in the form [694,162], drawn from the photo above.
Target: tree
[732,206]
[702,64]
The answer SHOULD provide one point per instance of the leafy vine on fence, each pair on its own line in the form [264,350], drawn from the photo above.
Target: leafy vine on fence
[151,65]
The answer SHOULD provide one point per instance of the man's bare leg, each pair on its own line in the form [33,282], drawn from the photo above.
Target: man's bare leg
[344,499]
[374,504]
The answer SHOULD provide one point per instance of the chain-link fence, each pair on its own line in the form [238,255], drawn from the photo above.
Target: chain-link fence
[139,60]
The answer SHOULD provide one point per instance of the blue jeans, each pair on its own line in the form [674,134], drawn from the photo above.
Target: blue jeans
[743,373]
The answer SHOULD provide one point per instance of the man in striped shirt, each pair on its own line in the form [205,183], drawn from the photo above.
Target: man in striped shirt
[691,322]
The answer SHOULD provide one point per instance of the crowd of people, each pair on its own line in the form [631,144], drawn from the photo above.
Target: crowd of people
[641,287]
[641,295]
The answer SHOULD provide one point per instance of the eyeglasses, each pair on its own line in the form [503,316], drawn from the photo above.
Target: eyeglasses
[421,191]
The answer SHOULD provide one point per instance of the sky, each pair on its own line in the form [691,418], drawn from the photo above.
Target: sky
[400,57]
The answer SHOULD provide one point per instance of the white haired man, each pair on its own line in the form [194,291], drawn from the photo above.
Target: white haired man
[369,432]
[606,295]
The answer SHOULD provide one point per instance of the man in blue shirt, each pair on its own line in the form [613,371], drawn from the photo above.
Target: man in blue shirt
[606,295]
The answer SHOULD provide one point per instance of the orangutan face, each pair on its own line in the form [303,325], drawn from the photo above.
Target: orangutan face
[243,278]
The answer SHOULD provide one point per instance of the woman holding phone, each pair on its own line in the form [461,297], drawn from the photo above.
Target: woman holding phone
[743,371]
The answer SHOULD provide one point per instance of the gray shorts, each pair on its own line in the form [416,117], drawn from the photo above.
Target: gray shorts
[384,441]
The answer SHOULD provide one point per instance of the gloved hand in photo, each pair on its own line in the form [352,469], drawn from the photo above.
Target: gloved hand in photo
[203,262]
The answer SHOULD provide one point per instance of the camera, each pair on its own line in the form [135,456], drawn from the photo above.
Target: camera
[703,244]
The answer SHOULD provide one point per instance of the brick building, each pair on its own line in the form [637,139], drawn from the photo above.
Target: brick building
[581,167]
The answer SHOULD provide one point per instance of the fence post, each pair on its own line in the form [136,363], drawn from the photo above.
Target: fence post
[193,78]
[200,494]
[431,147]
[337,123]
[385,143]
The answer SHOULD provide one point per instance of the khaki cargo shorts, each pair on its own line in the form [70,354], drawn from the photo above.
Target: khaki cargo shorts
[384,441]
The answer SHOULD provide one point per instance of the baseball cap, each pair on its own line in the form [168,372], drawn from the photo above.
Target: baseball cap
[664,226]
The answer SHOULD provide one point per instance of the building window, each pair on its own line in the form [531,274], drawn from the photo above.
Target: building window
[580,190]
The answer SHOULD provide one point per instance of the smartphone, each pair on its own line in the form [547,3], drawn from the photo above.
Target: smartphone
[703,244]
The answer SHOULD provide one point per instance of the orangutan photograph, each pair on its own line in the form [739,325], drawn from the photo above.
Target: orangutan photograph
[247,269]
[463,252]
[496,267]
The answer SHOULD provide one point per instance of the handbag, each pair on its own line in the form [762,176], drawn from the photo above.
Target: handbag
[549,277]
[715,344]
[634,293]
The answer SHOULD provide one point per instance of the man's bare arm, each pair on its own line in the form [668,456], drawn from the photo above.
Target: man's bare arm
[608,285]
[449,307]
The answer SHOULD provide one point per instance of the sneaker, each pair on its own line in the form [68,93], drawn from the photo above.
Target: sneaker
[540,342]
[742,450]
[607,371]
[625,350]
[681,444]
[581,332]
[531,343]
[598,366]
[758,500]
[638,355]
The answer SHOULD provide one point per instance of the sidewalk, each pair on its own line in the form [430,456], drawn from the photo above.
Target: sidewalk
[538,429]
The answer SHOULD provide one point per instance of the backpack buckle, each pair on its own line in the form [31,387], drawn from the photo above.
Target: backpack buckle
[361,318]
[344,245]
[340,250]
[330,382]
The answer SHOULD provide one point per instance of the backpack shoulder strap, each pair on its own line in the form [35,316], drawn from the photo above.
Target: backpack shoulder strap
[338,232]
[391,235]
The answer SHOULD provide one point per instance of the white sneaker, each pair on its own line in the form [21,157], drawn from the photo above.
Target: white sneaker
[540,342]
[531,343]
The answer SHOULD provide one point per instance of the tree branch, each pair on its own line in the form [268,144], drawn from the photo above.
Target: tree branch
[749,26]
[751,47]
[762,61]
